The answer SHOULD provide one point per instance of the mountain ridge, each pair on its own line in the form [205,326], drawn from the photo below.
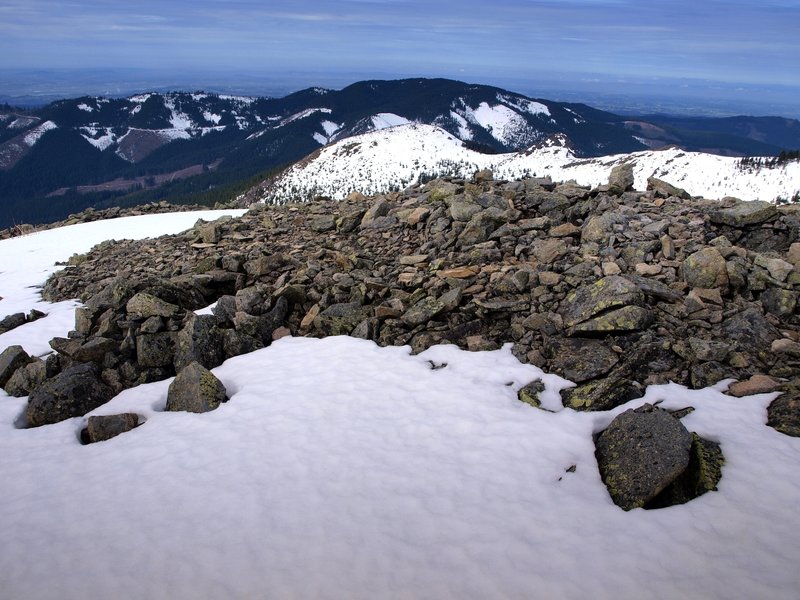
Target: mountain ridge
[93,140]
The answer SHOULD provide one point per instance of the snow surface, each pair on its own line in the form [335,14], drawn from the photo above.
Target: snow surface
[85,107]
[338,469]
[22,122]
[35,134]
[178,119]
[464,132]
[387,120]
[330,127]
[395,158]
[319,138]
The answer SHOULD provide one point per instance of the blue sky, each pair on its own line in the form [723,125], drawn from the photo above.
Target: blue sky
[731,42]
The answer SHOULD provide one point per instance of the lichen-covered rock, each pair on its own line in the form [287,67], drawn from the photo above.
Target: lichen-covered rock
[627,318]
[580,360]
[199,341]
[156,349]
[195,389]
[11,359]
[105,427]
[600,296]
[72,393]
[529,394]
[340,319]
[705,268]
[602,394]
[144,305]
[640,453]
[783,414]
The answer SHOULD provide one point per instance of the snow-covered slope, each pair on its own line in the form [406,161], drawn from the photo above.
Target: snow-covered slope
[396,157]
[338,469]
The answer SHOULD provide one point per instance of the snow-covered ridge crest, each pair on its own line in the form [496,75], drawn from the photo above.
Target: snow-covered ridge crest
[396,157]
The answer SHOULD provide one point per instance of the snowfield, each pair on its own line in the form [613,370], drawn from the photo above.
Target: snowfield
[338,469]
[394,158]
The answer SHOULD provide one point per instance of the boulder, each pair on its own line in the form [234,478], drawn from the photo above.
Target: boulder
[743,214]
[156,349]
[72,393]
[640,453]
[621,179]
[102,428]
[604,294]
[665,189]
[341,319]
[580,360]
[11,359]
[26,378]
[144,305]
[195,389]
[705,268]
[200,341]
[12,322]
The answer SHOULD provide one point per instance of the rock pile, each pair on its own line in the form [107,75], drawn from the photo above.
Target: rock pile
[611,288]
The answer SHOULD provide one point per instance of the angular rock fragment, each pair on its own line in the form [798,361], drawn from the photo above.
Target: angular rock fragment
[11,359]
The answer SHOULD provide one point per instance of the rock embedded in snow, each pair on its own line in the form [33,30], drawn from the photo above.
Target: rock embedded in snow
[640,453]
[102,428]
[195,389]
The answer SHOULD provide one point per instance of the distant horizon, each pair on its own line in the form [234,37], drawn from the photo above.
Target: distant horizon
[719,56]
[636,96]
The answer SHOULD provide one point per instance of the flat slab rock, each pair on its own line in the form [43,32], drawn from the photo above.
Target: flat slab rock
[641,453]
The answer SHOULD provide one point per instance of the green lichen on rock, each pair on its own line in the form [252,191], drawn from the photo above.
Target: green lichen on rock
[530,393]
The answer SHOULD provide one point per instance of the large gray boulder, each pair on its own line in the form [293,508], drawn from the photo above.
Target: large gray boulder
[72,393]
[195,389]
[641,453]
[743,214]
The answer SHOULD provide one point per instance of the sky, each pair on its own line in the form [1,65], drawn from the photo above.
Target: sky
[731,43]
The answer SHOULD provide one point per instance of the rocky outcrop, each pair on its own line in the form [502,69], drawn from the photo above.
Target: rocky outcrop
[614,292]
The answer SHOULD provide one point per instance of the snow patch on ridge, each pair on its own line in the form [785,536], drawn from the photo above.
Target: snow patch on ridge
[35,134]
[387,120]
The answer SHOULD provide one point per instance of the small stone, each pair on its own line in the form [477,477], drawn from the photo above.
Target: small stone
[786,346]
[611,268]
[414,259]
[530,393]
[549,278]
[647,270]
[457,273]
